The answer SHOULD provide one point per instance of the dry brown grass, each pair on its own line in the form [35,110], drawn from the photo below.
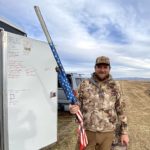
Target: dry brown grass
[138,112]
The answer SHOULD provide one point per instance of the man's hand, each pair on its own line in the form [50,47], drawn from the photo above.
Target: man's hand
[124,139]
[73,109]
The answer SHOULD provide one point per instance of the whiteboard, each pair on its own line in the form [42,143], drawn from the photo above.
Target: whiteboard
[31,77]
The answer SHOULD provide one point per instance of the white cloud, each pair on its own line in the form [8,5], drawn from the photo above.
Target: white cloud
[81,31]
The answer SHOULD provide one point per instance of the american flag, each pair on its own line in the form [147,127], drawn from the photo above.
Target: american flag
[81,131]
[63,80]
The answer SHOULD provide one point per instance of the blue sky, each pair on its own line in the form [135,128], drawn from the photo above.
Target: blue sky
[85,29]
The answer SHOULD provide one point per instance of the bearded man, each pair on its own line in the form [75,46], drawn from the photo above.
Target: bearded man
[102,105]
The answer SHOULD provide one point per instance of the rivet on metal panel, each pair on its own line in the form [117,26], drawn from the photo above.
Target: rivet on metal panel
[52,94]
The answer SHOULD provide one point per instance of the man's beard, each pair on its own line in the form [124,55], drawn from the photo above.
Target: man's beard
[102,76]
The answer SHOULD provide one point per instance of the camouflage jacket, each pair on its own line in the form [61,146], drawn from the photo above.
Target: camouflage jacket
[102,105]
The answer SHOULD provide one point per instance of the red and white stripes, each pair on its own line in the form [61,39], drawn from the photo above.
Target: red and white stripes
[81,131]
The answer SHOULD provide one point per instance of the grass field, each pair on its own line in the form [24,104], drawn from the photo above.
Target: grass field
[138,112]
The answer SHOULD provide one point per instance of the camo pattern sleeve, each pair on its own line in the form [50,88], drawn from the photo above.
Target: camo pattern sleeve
[79,93]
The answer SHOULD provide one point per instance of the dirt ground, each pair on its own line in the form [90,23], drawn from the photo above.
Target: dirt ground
[137,94]
[138,112]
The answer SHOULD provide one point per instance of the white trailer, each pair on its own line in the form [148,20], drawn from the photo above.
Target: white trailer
[28,93]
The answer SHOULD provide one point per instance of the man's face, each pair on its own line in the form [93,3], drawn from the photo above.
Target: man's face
[102,70]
